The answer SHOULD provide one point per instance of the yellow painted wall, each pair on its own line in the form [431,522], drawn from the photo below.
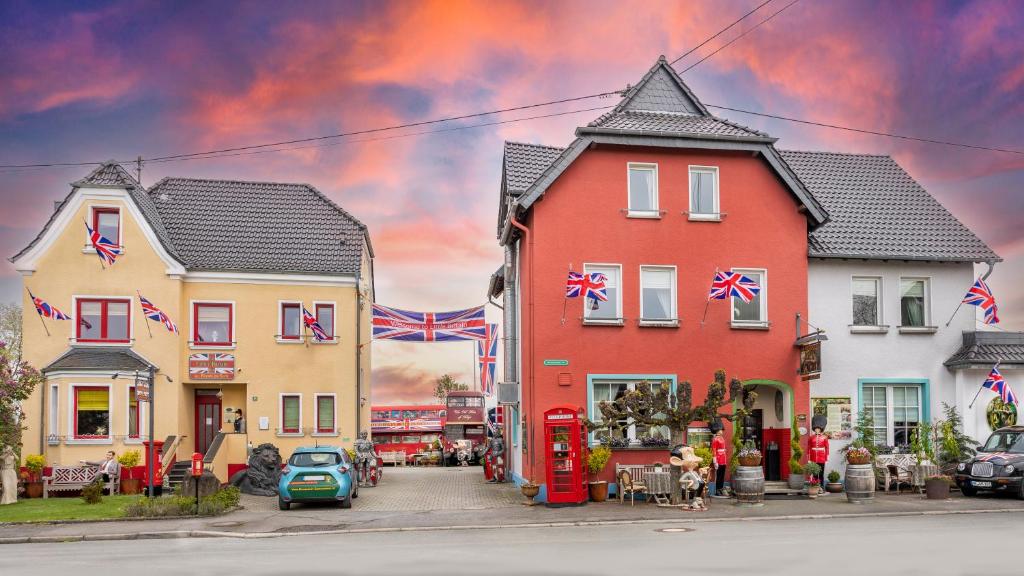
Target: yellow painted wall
[265,368]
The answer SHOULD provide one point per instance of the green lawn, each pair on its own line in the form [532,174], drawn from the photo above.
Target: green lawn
[40,510]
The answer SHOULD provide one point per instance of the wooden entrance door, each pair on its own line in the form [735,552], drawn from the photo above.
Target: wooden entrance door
[208,415]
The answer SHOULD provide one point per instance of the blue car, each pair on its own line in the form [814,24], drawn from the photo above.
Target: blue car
[318,474]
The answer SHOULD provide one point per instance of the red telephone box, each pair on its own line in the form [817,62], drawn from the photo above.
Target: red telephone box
[565,454]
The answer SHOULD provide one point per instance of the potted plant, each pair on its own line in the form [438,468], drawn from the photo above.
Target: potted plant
[129,483]
[796,476]
[748,478]
[796,470]
[858,456]
[34,463]
[529,489]
[813,488]
[749,455]
[596,462]
[834,485]
[936,487]
[813,485]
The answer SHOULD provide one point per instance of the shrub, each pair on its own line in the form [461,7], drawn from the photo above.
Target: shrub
[220,502]
[35,464]
[705,455]
[93,493]
[598,458]
[812,469]
[794,447]
[129,460]
[833,476]
[795,467]
[161,507]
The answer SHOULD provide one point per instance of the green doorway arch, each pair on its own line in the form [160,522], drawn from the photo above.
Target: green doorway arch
[778,385]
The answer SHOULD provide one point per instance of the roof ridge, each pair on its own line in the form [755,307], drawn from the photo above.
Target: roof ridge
[507,142]
[229,180]
[787,151]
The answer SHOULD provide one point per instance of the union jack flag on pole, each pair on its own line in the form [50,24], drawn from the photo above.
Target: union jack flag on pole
[731,283]
[395,324]
[107,251]
[591,285]
[157,315]
[487,356]
[981,296]
[45,310]
[310,321]
[997,384]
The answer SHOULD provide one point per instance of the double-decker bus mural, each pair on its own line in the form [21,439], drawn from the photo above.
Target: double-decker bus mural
[410,428]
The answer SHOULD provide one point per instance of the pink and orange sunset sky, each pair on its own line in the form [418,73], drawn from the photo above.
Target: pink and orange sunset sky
[90,81]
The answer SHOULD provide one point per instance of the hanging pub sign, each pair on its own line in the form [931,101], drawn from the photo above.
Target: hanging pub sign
[211,366]
[142,391]
[810,360]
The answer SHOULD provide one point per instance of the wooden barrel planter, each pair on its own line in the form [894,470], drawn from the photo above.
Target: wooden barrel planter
[748,485]
[860,482]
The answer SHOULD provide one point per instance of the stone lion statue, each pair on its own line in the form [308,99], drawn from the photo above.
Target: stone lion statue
[263,474]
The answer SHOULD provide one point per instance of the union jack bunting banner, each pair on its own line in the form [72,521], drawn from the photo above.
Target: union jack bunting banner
[45,310]
[997,384]
[157,315]
[731,283]
[395,324]
[310,321]
[590,285]
[981,296]
[105,249]
[487,356]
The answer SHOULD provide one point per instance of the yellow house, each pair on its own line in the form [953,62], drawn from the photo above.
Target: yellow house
[234,265]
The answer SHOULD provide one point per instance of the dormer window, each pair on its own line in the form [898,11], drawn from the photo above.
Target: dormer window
[108,222]
[643,191]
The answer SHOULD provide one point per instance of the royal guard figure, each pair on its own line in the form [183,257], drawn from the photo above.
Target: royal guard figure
[817,445]
[720,458]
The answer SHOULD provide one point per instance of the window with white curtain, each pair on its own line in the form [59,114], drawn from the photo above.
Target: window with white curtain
[704,193]
[643,190]
[657,293]
[895,410]
[611,309]
[913,302]
[755,312]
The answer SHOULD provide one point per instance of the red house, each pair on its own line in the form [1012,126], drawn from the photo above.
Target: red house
[656,194]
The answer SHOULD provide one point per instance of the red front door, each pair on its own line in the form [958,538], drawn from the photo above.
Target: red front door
[208,416]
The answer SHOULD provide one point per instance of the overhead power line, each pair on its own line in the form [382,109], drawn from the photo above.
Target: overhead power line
[729,43]
[719,33]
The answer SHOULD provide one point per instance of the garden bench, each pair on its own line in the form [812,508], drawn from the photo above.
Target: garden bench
[637,476]
[68,478]
[393,458]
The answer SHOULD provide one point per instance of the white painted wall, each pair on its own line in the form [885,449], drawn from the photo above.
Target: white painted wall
[847,357]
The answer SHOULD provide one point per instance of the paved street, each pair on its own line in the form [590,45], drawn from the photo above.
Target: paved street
[914,545]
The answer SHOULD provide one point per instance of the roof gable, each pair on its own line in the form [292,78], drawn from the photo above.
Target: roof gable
[661,90]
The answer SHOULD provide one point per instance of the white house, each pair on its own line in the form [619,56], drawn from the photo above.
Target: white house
[885,276]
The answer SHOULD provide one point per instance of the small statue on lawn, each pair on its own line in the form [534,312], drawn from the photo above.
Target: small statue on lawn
[263,474]
[366,459]
[9,476]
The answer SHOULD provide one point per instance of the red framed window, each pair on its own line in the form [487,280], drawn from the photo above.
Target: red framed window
[103,320]
[325,317]
[291,413]
[291,321]
[108,222]
[133,413]
[92,412]
[213,324]
[325,414]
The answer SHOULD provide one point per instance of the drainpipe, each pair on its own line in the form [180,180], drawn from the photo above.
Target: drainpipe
[991,266]
[531,435]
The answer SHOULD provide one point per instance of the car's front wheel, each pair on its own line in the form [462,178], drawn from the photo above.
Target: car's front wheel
[968,491]
[282,505]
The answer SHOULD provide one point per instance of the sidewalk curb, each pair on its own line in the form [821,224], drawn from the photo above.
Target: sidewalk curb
[174,534]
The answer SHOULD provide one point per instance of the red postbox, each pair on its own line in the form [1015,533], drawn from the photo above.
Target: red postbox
[197,464]
[565,454]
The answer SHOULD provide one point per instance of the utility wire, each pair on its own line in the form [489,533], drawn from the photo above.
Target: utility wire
[727,44]
[719,33]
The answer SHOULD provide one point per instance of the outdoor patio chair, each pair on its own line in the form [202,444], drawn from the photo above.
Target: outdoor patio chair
[627,486]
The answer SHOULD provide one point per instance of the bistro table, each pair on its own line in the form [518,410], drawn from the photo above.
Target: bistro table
[659,486]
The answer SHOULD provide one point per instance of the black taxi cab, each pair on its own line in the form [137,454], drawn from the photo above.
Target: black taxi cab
[998,465]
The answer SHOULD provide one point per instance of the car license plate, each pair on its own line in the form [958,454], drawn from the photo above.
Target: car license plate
[977,484]
[312,477]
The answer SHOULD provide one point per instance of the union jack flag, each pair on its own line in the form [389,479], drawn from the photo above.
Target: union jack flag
[310,321]
[395,324]
[153,313]
[591,285]
[733,284]
[487,355]
[981,296]
[996,383]
[47,311]
[105,249]
[211,366]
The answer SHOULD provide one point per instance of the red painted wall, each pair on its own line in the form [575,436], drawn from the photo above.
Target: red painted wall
[581,219]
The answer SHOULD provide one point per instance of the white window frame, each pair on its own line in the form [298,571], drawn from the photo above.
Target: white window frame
[653,212]
[53,415]
[881,326]
[316,414]
[927,327]
[334,320]
[280,414]
[673,319]
[73,337]
[618,320]
[594,412]
[279,336]
[89,248]
[73,409]
[715,216]
[192,325]
[127,416]
[890,409]
[763,323]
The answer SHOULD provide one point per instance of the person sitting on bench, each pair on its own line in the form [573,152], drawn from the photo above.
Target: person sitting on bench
[109,466]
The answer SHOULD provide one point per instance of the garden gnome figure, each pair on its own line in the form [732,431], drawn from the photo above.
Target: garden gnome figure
[9,476]
[720,458]
[817,445]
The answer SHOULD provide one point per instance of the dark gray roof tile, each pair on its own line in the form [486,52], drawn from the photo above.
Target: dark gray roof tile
[984,349]
[524,163]
[675,124]
[98,359]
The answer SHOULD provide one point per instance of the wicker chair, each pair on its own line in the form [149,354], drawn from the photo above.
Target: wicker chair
[627,486]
